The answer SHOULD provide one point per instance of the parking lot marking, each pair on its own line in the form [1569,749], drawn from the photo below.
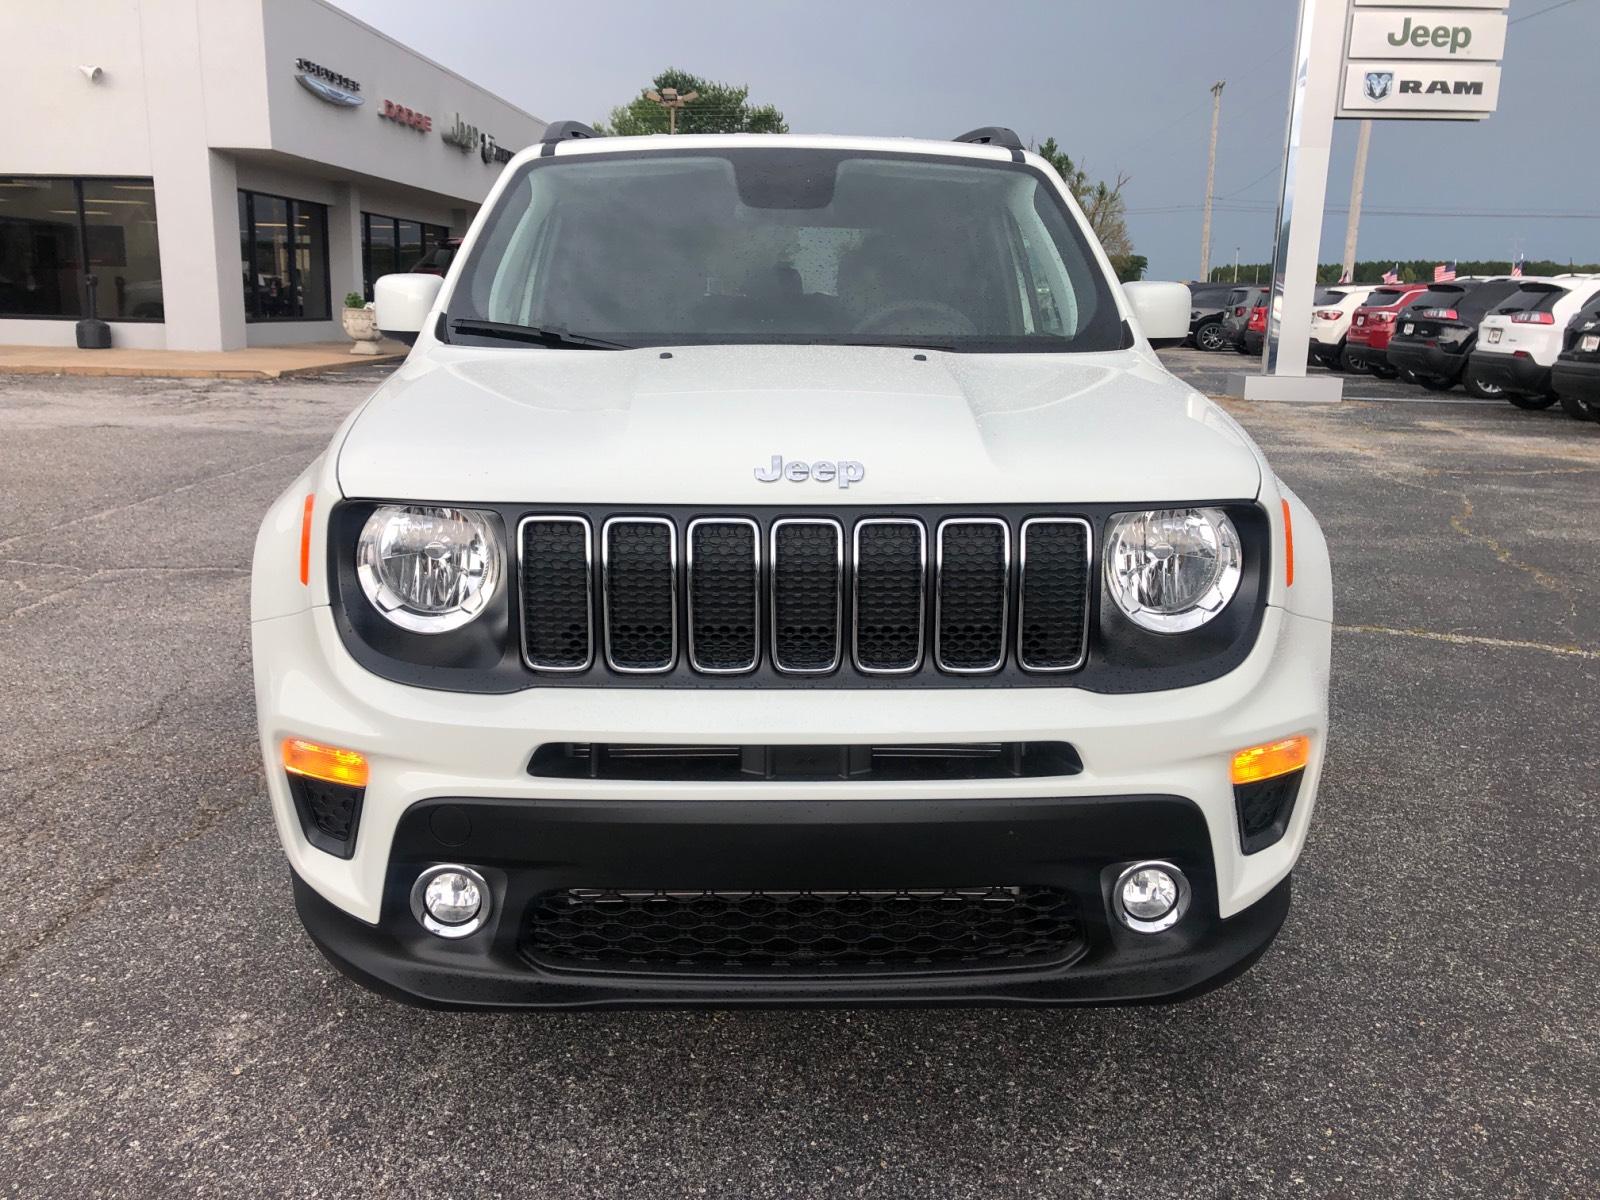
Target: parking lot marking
[1467,639]
[1422,400]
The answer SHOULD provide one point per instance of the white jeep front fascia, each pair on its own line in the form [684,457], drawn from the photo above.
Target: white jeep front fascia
[810,590]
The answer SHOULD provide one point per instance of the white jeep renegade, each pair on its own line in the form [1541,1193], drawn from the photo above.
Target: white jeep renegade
[783,572]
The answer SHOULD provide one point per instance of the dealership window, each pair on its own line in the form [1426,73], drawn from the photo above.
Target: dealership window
[45,223]
[283,254]
[393,245]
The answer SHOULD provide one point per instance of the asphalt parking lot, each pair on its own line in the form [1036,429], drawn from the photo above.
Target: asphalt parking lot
[1428,1023]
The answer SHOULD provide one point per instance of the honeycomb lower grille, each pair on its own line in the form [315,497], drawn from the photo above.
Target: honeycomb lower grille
[801,931]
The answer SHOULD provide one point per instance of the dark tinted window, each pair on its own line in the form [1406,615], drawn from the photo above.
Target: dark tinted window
[791,245]
[1440,296]
[1481,300]
[1385,297]
[1209,297]
[283,250]
[1532,299]
[1329,296]
[44,226]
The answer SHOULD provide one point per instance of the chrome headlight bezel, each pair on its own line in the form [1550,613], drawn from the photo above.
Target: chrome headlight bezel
[477,556]
[1130,555]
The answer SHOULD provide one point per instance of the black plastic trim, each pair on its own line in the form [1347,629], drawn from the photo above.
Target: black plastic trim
[485,655]
[527,848]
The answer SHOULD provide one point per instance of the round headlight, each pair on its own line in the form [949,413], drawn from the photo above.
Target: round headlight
[428,570]
[1172,569]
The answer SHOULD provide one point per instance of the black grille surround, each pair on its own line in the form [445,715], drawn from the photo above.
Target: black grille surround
[887,607]
[801,932]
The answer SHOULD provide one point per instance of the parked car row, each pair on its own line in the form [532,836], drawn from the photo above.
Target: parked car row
[1531,341]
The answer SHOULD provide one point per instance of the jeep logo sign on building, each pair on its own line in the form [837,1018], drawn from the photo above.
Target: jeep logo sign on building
[1425,60]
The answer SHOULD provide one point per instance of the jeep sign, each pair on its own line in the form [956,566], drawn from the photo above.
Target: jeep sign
[1423,60]
[1471,36]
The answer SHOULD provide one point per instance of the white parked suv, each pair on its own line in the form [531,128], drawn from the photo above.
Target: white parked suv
[1330,320]
[782,572]
[1519,341]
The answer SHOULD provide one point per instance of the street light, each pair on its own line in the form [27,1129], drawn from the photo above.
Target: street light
[672,101]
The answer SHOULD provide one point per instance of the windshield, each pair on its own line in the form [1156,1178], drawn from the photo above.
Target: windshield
[785,246]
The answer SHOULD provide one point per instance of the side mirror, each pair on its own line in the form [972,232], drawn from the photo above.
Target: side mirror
[1160,309]
[402,304]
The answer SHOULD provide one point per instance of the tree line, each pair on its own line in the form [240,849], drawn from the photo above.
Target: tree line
[1415,270]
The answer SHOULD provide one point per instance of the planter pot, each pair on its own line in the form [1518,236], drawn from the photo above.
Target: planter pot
[361,324]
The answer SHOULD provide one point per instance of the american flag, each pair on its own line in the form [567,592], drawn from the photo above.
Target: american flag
[1516,267]
[1444,272]
[1392,276]
[1345,277]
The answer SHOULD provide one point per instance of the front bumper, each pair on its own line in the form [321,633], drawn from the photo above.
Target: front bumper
[535,848]
[1523,376]
[1154,784]
[1434,362]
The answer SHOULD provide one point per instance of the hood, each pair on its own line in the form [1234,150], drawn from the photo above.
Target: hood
[695,426]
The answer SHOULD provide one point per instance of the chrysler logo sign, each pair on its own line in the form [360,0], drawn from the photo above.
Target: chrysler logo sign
[329,85]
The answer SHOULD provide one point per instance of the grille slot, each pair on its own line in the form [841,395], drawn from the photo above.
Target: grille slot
[801,932]
[743,764]
[639,560]
[807,579]
[1053,594]
[724,595]
[890,602]
[974,567]
[557,574]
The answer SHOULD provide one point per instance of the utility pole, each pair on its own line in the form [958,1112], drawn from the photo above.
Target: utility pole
[1358,182]
[670,100]
[1211,180]
[1236,264]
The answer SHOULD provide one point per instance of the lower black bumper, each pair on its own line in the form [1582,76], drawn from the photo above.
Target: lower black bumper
[1252,341]
[1524,376]
[1360,356]
[1429,361]
[531,849]
[1570,377]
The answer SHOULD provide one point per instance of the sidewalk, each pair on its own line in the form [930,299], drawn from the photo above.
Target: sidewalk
[257,362]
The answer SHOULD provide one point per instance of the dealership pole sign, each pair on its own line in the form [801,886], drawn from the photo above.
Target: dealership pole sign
[1422,60]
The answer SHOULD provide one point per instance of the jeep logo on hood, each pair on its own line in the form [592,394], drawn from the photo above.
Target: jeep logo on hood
[846,471]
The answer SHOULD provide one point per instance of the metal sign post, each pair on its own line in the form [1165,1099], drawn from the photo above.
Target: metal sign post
[1313,99]
[1360,60]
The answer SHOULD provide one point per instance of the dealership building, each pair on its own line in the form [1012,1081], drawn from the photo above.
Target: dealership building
[225,170]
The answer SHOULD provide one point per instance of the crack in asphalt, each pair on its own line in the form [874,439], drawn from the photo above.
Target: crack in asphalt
[1467,639]
[80,584]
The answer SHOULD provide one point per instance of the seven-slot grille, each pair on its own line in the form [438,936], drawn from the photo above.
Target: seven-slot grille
[804,596]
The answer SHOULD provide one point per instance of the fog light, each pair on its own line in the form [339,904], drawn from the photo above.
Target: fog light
[1151,896]
[450,901]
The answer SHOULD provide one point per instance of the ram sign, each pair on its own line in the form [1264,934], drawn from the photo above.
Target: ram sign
[1423,61]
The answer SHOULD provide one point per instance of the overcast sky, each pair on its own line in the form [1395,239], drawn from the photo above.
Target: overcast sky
[1122,86]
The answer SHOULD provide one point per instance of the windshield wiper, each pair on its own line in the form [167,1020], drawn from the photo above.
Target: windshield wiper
[535,335]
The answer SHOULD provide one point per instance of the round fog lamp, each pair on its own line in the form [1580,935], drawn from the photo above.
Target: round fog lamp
[1151,896]
[450,901]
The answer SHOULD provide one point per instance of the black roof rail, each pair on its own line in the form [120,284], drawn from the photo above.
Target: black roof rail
[566,131]
[992,135]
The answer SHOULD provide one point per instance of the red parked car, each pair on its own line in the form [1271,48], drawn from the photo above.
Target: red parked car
[1366,346]
[1255,329]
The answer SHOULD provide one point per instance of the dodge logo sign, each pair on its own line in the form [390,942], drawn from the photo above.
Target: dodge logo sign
[1378,84]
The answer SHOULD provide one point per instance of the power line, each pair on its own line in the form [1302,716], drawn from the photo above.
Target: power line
[1541,12]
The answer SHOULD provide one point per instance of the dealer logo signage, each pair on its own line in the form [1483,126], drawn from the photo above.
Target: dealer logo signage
[327,84]
[468,138]
[1436,59]
[409,117]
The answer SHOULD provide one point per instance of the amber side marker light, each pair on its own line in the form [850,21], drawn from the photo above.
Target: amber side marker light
[327,763]
[305,539]
[1288,546]
[1272,759]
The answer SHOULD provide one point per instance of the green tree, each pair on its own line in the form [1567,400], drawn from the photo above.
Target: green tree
[1102,204]
[719,108]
